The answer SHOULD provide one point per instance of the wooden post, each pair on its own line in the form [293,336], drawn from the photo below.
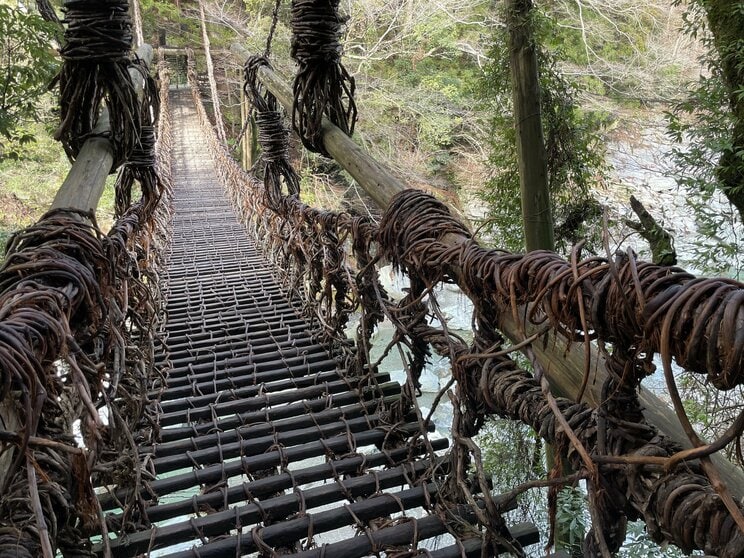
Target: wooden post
[244,127]
[563,362]
[137,20]
[249,143]
[83,186]
[533,162]
[726,22]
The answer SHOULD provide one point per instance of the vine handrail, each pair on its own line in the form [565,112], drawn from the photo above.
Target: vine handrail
[77,319]
[564,361]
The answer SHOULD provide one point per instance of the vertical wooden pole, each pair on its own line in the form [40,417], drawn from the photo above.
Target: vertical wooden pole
[537,220]
[139,37]
[230,106]
[533,161]
[244,124]
[726,24]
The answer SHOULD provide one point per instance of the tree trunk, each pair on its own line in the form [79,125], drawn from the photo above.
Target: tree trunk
[533,166]
[249,142]
[659,239]
[139,38]
[726,20]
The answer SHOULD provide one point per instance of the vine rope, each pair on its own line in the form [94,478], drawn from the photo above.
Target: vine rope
[322,86]
[98,40]
[631,469]
[78,311]
[272,137]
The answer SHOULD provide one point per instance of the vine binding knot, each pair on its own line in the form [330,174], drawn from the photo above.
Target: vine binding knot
[273,137]
[322,86]
[98,40]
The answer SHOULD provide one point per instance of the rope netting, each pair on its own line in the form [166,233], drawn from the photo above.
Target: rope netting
[633,308]
[78,315]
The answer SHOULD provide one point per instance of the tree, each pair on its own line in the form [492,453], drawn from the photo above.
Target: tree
[575,160]
[537,221]
[27,65]
[726,22]
[708,126]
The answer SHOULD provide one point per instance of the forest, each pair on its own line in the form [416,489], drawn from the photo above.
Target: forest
[616,78]
[638,142]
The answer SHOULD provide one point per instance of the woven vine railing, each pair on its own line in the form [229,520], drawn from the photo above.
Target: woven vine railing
[635,309]
[78,315]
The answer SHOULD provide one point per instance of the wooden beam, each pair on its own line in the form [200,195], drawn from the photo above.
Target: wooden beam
[249,143]
[219,122]
[83,186]
[563,362]
[375,178]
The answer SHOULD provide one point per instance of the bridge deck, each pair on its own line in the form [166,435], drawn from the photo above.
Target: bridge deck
[265,446]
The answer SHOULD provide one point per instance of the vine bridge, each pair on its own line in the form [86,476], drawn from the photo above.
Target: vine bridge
[199,381]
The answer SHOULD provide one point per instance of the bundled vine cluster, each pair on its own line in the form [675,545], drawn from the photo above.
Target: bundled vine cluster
[632,470]
[96,59]
[79,310]
[322,86]
[272,135]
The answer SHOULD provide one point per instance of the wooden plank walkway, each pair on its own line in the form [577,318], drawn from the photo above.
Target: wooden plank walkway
[264,445]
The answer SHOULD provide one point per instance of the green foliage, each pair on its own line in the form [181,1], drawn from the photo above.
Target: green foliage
[166,16]
[573,145]
[28,184]
[570,515]
[32,180]
[27,65]
[639,545]
[513,455]
[702,126]
[600,37]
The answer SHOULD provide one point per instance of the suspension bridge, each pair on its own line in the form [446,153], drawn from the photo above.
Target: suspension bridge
[199,382]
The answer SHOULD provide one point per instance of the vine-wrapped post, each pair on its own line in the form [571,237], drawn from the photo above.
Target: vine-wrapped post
[322,86]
